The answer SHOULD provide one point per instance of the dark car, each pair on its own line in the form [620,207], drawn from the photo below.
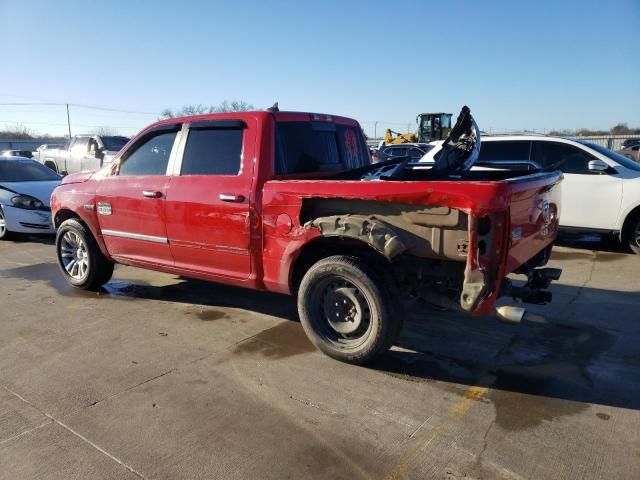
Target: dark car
[631,151]
[17,153]
[631,142]
[414,150]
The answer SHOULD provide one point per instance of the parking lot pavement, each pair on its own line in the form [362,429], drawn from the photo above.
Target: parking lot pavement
[157,376]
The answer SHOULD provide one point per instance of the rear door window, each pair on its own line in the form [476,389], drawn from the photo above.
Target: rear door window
[562,156]
[415,154]
[396,152]
[507,151]
[303,147]
[212,151]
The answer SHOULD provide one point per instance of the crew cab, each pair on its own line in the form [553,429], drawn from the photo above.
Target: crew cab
[288,202]
[85,153]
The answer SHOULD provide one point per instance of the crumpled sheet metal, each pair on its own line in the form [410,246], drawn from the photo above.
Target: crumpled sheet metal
[378,234]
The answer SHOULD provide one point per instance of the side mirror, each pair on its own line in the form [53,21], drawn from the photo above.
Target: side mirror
[598,166]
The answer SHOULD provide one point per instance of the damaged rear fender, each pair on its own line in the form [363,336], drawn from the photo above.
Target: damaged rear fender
[382,237]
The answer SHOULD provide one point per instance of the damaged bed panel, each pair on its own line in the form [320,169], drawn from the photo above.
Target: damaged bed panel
[391,228]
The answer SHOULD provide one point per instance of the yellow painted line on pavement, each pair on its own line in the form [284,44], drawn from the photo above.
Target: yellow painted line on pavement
[472,395]
[456,412]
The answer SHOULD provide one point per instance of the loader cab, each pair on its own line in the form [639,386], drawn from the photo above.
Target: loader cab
[433,126]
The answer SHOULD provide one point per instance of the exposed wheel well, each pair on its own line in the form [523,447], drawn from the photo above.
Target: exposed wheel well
[633,214]
[328,246]
[63,215]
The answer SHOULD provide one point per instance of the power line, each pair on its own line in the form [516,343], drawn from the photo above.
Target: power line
[106,109]
[26,98]
[78,105]
[14,122]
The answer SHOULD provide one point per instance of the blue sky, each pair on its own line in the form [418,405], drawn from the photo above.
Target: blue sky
[518,65]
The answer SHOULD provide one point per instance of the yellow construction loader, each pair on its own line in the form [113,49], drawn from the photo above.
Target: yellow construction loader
[431,127]
[390,139]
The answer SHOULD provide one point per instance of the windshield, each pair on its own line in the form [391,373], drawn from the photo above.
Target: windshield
[114,143]
[616,157]
[23,171]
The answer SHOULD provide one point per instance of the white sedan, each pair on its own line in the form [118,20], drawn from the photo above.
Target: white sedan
[25,189]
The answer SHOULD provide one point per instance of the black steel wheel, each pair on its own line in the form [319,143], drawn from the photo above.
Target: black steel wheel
[347,311]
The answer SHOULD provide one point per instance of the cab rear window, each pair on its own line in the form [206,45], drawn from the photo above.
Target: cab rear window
[304,147]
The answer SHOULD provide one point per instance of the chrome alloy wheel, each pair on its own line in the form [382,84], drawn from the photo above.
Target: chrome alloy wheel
[3,225]
[74,255]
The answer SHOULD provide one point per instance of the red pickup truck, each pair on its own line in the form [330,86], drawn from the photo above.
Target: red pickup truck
[289,202]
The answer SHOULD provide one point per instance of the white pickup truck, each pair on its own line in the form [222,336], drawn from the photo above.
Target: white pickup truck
[85,152]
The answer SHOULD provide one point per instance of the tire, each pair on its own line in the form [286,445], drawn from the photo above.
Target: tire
[4,233]
[368,319]
[74,243]
[631,234]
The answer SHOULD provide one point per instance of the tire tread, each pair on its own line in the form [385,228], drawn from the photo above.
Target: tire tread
[390,323]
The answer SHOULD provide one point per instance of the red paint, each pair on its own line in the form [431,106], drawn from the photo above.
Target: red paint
[255,242]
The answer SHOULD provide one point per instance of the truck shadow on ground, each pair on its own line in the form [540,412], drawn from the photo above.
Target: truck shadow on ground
[587,354]
[578,360]
[177,290]
[24,238]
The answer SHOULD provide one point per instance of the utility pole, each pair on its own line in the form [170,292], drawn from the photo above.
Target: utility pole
[68,122]
[375,130]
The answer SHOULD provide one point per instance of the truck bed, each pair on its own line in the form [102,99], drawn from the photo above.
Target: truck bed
[500,219]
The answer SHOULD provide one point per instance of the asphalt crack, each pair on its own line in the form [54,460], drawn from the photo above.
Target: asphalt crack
[585,283]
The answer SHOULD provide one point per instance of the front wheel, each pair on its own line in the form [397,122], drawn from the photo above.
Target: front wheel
[347,311]
[632,234]
[4,233]
[79,257]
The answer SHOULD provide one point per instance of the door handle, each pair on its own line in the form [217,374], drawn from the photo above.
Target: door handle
[151,194]
[229,197]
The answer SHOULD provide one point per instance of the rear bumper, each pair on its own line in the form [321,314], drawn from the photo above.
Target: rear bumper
[20,220]
[482,288]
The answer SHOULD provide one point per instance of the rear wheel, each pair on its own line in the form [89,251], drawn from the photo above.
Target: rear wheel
[632,233]
[347,311]
[81,261]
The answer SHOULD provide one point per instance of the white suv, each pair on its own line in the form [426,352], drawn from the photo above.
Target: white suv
[601,188]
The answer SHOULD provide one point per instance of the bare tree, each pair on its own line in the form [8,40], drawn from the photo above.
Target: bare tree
[619,129]
[199,109]
[104,131]
[233,106]
[17,131]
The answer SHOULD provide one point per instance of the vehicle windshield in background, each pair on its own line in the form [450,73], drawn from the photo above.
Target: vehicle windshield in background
[621,159]
[318,147]
[21,171]
[114,143]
